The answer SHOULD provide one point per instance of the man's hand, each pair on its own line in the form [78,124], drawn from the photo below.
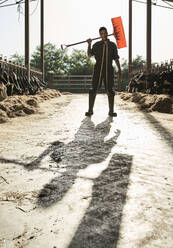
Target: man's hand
[89,41]
[119,80]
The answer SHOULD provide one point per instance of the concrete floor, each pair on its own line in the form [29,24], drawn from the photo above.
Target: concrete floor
[67,180]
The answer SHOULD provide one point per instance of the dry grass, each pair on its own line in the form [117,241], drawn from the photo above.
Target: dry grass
[14,106]
[161,103]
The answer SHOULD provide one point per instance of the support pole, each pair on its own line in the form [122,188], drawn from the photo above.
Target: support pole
[27,51]
[42,39]
[130,41]
[149,20]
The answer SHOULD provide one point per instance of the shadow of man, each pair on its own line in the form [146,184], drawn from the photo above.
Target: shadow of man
[88,147]
[100,227]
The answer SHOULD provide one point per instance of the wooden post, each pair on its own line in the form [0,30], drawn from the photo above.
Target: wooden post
[149,19]
[130,41]
[42,38]
[27,48]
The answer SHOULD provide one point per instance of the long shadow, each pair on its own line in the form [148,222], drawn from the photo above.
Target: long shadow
[165,134]
[100,226]
[88,147]
[31,165]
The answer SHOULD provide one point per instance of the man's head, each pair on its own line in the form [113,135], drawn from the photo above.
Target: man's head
[103,33]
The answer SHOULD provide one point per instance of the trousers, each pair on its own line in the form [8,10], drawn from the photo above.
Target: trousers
[97,83]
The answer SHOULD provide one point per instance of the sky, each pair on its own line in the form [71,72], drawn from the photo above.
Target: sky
[70,21]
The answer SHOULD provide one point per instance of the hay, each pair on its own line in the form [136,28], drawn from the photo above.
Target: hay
[3,116]
[161,103]
[66,93]
[3,91]
[14,106]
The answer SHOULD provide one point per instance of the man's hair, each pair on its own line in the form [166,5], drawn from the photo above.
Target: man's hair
[102,28]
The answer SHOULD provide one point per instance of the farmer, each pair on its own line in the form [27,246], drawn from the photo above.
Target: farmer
[104,52]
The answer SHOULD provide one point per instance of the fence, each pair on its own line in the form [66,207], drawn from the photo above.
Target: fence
[74,83]
[164,66]
[14,81]
[156,67]
[10,66]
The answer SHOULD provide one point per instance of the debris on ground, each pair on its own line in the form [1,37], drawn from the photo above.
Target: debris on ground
[66,93]
[161,103]
[22,105]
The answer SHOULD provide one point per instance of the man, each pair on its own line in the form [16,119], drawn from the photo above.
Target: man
[104,52]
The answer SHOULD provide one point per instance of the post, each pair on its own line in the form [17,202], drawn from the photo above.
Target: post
[42,38]
[27,51]
[149,18]
[130,41]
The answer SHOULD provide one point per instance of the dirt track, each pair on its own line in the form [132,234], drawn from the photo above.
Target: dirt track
[70,181]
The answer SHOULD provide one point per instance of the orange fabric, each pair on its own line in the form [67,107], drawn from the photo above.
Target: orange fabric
[118,32]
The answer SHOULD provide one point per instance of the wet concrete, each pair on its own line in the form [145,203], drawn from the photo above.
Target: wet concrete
[67,180]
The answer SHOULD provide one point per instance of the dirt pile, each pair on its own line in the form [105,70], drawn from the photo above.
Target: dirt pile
[23,105]
[161,103]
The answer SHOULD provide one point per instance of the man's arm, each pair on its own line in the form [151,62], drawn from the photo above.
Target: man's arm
[119,73]
[116,58]
[89,51]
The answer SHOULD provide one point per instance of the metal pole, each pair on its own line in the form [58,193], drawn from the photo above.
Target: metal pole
[27,57]
[130,41]
[42,39]
[149,19]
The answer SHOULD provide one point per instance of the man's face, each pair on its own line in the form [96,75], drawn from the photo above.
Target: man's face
[103,34]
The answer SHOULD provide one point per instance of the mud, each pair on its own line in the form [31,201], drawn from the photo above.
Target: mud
[67,180]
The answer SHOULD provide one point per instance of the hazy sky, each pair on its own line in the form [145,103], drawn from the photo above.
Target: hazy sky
[69,21]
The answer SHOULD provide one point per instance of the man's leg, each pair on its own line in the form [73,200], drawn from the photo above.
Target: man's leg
[92,96]
[92,93]
[96,85]
[111,94]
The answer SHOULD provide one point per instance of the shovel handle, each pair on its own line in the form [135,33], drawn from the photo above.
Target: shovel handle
[77,43]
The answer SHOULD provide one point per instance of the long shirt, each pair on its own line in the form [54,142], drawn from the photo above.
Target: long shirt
[98,50]
[104,54]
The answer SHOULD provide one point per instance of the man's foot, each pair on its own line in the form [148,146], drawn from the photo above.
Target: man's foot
[89,113]
[112,114]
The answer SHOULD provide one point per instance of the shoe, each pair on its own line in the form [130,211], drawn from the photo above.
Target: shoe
[111,106]
[88,113]
[112,114]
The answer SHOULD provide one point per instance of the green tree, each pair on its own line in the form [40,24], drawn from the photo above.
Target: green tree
[58,62]
[20,59]
[55,60]
[124,68]
[80,63]
[138,63]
